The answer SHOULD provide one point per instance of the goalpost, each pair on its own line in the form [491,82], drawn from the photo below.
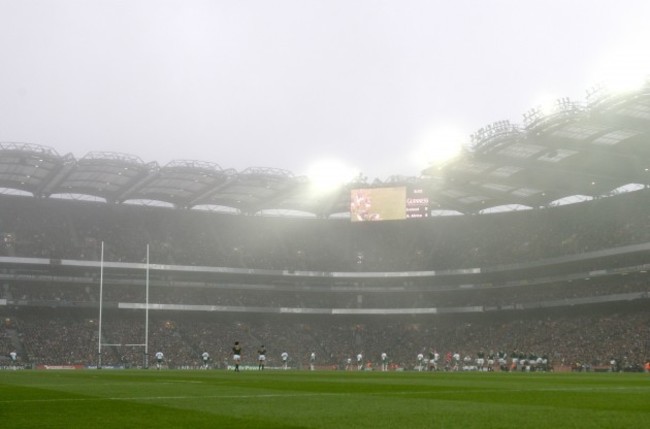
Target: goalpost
[100,344]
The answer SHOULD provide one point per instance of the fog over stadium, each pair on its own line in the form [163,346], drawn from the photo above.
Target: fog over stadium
[160,205]
[376,86]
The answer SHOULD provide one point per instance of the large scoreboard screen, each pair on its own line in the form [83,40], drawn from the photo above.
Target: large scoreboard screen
[373,204]
[393,203]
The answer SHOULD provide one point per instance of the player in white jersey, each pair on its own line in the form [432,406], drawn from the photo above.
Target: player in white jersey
[312,361]
[359,361]
[467,363]
[545,362]
[480,360]
[420,357]
[160,357]
[14,359]
[502,358]
[206,359]
[384,362]
[455,361]
[434,357]
[285,360]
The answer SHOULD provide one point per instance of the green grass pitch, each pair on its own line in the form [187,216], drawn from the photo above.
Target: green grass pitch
[335,399]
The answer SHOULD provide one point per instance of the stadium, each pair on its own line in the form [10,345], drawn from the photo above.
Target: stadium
[534,242]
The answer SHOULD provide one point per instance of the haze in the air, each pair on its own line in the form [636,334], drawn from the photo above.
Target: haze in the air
[374,85]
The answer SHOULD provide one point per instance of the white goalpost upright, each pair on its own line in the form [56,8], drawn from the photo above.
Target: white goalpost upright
[146,315]
[101,344]
[101,306]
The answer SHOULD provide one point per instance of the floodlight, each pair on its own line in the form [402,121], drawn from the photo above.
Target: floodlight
[625,69]
[437,146]
[547,104]
[328,175]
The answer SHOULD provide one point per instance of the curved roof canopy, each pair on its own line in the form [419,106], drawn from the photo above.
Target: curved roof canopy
[590,150]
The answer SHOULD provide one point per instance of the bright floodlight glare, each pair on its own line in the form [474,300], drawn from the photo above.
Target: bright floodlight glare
[618,80]
[327,175]
[437,146]
[625,69]
[547,104]
[623,83]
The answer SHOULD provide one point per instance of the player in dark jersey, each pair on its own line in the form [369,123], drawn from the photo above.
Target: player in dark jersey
[261,358]
[236,355]
[490,361]
[480,360]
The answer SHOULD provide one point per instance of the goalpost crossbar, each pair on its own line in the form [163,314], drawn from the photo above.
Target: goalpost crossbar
[122,345]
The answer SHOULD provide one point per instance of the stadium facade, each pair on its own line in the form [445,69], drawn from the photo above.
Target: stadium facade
[566,281]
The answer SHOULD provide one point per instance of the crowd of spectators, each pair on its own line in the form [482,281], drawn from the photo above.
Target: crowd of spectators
[56,341]
[554,293]
[567,337]
[6,342]
[74,230]
[50,325]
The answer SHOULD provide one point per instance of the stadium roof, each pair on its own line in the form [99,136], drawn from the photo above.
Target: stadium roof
[591,149]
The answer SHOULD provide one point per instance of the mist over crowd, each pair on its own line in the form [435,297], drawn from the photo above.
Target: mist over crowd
[558,311]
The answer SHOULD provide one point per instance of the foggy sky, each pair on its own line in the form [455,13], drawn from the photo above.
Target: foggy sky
[286,83]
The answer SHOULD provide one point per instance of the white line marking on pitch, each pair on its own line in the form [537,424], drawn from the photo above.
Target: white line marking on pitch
[302,395]
[155,398]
